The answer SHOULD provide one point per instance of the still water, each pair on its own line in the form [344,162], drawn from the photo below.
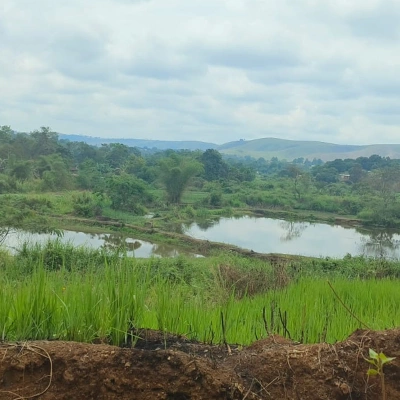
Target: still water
[266,235]
[134,247]
[263,235]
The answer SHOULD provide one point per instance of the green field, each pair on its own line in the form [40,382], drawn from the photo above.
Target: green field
[60,292]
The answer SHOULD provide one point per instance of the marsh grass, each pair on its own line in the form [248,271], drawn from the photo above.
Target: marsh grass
[78,294]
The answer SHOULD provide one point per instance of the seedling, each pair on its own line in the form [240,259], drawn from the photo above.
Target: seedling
[378,361]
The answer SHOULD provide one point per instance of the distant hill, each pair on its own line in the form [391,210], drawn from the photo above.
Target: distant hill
[291,149]
[266,148]
[142,143]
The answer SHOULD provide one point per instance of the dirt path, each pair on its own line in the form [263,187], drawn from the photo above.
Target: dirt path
[171,367]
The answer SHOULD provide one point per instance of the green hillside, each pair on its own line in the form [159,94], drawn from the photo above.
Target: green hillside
[266,148]
[291,149]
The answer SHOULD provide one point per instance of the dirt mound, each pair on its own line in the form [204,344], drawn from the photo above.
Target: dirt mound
[171,367]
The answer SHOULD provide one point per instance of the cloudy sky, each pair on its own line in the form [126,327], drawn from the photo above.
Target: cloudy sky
[210,70]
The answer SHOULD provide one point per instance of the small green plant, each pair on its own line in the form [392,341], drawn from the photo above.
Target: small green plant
[378,361]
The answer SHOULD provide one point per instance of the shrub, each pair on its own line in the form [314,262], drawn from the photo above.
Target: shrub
[87,204]
[215,199]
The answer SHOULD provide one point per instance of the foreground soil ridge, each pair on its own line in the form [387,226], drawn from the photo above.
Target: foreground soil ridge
[176,368]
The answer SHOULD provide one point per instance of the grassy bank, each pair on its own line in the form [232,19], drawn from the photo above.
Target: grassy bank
[59,292]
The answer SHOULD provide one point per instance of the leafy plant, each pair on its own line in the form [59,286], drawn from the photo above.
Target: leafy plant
[378,360]
[175,173]
[87,204]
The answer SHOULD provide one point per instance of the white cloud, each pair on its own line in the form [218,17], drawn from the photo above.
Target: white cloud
[212,70]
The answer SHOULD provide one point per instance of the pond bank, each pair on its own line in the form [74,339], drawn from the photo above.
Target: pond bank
[203,247]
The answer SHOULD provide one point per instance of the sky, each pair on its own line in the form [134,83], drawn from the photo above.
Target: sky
[209,70]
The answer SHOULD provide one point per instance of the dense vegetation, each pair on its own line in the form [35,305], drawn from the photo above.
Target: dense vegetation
[134,181]
[59,291]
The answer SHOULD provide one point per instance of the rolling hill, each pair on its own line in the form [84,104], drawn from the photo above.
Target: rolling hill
[266,148]
[291,149]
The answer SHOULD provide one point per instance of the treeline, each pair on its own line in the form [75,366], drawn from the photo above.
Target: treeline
[39,161]
[352,170]
[131,180]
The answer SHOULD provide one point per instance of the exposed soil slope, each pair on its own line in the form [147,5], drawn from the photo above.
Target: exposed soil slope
[173,368]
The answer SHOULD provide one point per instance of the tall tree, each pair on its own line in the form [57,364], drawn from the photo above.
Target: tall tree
[6,134]
[176,172]
[301,180]
[385,208]
[115,154]
[214,166]
[45,142]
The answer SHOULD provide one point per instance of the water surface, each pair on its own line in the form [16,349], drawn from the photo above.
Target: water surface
[134,247]
[267,235]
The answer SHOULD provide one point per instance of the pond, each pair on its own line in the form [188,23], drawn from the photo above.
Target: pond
[135,247]
[262,235]
[267,235]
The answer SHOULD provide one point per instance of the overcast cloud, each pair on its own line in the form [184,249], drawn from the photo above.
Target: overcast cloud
[211,70]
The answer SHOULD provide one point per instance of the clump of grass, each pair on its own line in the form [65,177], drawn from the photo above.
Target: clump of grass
[251,281]
[54,255]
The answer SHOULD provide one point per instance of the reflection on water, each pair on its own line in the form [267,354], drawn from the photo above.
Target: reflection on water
[203,224]
[133,247]
[267,235]
[293,229]
[382,244]
[264,235]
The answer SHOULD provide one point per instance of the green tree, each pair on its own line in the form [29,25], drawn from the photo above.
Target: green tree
[175,173]
[54,172]
[325,174]
[6,134]
[356,173]
[81,151]
[214,166]
[386,182]
[134,164]
[301,180]
[91,175]
[22,146]
[115,154]
[128,193]
[45,142]
[384,208]
[22,170]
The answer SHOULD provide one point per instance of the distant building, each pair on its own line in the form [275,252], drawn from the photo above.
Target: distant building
[344,177]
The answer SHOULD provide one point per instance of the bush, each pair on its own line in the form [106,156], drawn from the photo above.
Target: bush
[87,204]
[35,203]
[323,203]
[128,193]
[4,186]
[189,211]
[351,206]
[215,199]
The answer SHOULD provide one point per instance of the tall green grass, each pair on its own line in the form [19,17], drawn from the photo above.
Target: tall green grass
[221,298]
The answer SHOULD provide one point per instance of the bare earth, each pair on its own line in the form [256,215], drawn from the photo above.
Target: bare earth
[174,368]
